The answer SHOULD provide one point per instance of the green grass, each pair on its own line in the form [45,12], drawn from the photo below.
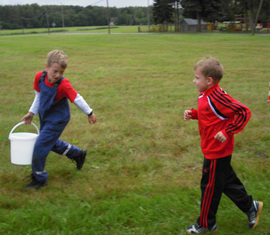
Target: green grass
[144,162]
[112,29]
[78,30]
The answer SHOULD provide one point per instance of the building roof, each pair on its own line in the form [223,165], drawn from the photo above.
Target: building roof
[193,21]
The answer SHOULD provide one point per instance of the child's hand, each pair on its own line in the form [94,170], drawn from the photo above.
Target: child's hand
[220,137]
[28,118]
[92,119]
[187,115]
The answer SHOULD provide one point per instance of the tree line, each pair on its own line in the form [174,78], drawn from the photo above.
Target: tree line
[35,16]
[247,11]
[162,12]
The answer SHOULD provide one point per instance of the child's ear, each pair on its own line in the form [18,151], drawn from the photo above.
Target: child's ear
[210,81]
[47,66]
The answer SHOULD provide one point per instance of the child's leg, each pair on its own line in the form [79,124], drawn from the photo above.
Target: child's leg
[210,196]
[212,186]
[64,148]
[236,191]
[72,152]
[44,144]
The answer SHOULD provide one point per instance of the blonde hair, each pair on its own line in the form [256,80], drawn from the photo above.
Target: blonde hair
[210,67]
[58,57]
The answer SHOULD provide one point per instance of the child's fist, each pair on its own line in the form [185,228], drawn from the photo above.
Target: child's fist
[187,115]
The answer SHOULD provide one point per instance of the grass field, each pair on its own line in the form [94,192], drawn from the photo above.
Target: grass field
[112,29]
[143,166]
[79,30]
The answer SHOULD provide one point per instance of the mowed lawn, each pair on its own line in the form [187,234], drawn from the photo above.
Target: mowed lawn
[143,167]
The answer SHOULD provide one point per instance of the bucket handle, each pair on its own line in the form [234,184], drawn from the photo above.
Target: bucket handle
[21,123]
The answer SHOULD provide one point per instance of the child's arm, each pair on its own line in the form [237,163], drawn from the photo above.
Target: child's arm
[190,114]
[187,115]
[28,118]
[220,137]
[241,116]
[230,108]
[84,107]
[33,110]
[92,118]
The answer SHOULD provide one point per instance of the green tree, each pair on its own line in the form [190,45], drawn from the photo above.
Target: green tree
[124,18]
[167,11]
[163,11]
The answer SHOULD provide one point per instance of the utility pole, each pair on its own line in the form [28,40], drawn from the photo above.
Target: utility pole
[63,21]
[47,22]
[108,16]
[148,16]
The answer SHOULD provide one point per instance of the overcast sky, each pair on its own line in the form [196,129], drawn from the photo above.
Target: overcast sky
[112,3]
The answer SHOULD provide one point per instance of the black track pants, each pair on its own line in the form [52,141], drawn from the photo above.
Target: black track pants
[219,177]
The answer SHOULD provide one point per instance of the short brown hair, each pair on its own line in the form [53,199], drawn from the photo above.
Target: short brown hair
[58,57]
[210,67]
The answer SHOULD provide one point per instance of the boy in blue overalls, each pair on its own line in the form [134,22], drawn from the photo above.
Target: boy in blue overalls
[51,102]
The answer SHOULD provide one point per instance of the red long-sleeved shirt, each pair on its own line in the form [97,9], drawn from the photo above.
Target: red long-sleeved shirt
[64,90]
[217,111]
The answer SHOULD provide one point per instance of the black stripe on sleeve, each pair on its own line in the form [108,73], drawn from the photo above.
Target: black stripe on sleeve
[240,110]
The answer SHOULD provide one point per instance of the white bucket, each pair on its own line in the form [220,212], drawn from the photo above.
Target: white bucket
[22,145]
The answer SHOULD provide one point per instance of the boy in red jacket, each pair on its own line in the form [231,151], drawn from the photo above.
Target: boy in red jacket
[220,117]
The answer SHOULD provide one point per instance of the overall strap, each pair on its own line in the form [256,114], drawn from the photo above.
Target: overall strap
[43,75]
[58,82]
[55,84]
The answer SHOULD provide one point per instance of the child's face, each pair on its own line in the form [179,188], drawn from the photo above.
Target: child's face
[201,82]
[54,72]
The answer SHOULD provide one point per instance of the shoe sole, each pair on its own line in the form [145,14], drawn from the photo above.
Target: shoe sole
[258,214]
[215,231]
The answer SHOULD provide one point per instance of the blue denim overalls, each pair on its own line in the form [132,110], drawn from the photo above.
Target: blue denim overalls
[53,119]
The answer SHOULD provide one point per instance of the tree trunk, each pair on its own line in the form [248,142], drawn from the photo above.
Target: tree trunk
[257,16]
[177,28]
[246,18]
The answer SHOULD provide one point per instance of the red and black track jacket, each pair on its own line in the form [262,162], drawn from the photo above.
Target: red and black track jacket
[217,111]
